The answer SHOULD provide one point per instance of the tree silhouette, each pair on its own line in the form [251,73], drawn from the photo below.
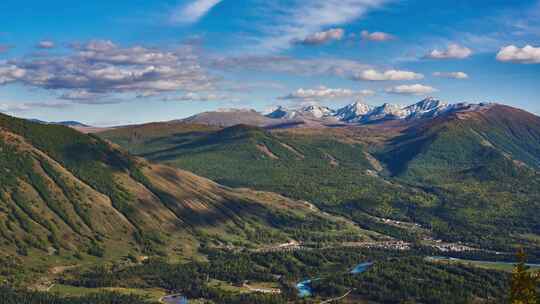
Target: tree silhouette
[524,283]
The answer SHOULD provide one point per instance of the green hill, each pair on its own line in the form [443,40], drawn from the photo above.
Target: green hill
[318,169]
[67,197]
[469,176]
[483,167]
[465,141]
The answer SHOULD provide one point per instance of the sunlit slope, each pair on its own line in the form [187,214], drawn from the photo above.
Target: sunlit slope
[468,176]
[483,167]
[67,194]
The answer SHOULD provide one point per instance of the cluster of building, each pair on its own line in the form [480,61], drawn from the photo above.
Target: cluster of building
[394,245]
[285,247]
[261,289]
[446,247]
[399,223]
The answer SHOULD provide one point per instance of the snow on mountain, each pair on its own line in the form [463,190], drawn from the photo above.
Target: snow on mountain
[311,111]
[429,107]
[359,112]
[385,112]
[353,111]
[317,111]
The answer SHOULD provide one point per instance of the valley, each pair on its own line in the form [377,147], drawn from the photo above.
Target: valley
[425,171]
[270,152]
[119,214]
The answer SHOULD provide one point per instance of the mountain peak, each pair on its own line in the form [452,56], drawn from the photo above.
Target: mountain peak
[359,112]
[428,107]
[353,110]
[311,111]
[317,111]
[429,103]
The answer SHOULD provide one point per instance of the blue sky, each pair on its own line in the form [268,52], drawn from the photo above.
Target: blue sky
[118,62]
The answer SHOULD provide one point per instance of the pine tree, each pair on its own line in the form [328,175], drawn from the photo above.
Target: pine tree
[524,283]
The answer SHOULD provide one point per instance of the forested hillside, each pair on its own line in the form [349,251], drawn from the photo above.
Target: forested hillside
[463,175]
[76,197]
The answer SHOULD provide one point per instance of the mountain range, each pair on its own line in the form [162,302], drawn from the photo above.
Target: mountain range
[358,112]
[463,170]
[234,186]
[317,115]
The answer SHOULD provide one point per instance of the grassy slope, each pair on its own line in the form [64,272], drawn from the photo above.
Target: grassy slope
[464,176]
[66,196]
[482,166]
[315,168]
[331,169]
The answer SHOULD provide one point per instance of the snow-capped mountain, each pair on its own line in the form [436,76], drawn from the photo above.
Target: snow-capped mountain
[359,112]
[317,111]
[352,111]
[311,111]
[385,112]
[429,107]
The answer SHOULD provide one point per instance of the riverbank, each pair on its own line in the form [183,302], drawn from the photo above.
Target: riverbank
[494,265]
[304,287]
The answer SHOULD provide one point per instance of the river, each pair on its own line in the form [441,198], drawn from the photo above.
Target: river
[174,299]
[304,287]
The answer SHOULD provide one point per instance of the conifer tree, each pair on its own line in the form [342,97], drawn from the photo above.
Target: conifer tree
[524,283]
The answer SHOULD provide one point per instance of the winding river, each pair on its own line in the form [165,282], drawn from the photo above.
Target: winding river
[174,299]
[304,287]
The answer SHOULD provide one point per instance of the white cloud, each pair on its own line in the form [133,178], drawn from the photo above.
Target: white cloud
[251,86]
[366,92]
[99,68]
[49,105]
[282,64]
[323,92]
[374,75]
[193,11]
[322,37]
[197,97]
[46,44]
[80,95]
[414,89]
[301,18]
[512,53]
[12,108]
[376,36]
[99,46]
[455,75]
[10,73]
[454,51]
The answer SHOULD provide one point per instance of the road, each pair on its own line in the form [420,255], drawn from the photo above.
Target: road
[338,298]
